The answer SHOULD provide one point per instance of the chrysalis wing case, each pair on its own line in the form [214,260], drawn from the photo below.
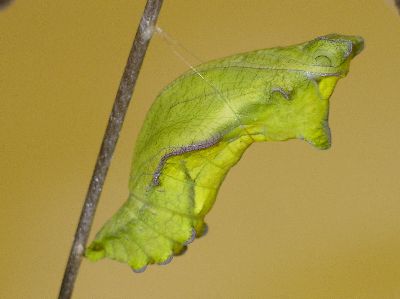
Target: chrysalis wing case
[198,128]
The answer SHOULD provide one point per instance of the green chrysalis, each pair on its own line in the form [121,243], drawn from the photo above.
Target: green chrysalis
[198,128]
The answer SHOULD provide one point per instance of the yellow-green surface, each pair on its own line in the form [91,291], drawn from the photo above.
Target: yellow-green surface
[199,127]
[290,221]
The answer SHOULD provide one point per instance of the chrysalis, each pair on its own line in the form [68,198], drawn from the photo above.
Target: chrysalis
[198,128]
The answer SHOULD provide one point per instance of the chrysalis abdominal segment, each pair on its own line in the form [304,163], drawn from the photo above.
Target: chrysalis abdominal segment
[199,127]
[182,150]
[172,42]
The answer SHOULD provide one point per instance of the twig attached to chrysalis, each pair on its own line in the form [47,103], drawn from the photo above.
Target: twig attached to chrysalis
[122,100]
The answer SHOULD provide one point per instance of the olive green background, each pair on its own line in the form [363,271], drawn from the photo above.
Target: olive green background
[289,222]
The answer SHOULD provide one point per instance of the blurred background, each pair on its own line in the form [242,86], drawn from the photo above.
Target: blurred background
[289,222]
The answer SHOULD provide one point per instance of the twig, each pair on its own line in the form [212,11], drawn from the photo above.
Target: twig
[4,3]
[110,139]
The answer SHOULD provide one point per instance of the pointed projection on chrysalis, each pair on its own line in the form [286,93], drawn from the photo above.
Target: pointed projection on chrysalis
[199,127]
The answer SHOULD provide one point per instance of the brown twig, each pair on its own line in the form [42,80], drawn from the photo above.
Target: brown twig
[397,3]
[4,3]
[110,139]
